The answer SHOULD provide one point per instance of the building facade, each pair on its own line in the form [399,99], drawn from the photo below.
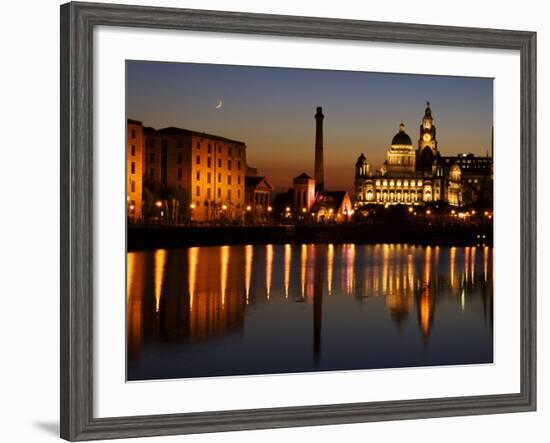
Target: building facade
[134,170]
[332,206]
[258,193]
[416,176]
[204,171]
[304,193]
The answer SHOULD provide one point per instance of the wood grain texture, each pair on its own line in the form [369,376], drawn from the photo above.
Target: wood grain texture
[77,23]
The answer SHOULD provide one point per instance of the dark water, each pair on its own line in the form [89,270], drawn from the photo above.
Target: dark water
[231,310]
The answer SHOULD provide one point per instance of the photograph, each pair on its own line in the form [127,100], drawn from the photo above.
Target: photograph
[284,220]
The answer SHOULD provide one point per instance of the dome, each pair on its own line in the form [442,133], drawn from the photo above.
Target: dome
[401,138]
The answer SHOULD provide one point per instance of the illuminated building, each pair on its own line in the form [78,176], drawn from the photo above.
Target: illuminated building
[416,176]
[204,171]
[134,168]
[332,205]
[304,193]
[258,197]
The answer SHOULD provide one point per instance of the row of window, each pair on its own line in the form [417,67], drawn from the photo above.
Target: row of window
[209,178]
[219,193]
[179,159]
[164,144]
[197,175]
[229,149]
[209,163]
[398,182]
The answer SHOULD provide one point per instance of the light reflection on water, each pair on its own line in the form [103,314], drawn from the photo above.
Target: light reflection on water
[252,309]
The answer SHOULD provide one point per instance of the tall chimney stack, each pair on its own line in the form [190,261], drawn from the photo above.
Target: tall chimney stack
[319,164]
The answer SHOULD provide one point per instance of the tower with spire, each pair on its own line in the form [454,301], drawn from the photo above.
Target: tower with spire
[427,132]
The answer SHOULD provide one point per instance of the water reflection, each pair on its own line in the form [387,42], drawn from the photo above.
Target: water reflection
[232,309]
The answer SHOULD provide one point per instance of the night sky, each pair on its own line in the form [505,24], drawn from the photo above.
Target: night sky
[272,109]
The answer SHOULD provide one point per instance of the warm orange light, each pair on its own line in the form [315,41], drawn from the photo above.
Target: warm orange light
[192,206]
[224,207]
[304,210]
[410,209]
[428,212]
[288,258]
[158,203]
[249,253]
[269,209]
[287,209]
[249,208]
[132,207]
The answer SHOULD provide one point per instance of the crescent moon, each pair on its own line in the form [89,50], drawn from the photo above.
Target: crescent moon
[219,105]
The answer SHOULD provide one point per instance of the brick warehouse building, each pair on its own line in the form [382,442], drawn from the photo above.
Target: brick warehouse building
[208,170]
[134,169]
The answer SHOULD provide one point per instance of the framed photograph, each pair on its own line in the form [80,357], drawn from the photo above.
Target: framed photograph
[273,221]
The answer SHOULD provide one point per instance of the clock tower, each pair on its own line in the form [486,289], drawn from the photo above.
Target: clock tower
[427,132]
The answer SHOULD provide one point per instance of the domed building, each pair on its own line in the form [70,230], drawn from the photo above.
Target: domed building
[414,176]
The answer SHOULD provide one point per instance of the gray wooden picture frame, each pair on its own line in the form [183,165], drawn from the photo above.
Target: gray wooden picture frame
[77,24]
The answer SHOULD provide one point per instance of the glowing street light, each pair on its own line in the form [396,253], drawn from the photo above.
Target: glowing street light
[224,207]
[192,205]
[158,204]
[411,209]
[287,209]
[304,210]
[249,208]
[428,212]
[269,209]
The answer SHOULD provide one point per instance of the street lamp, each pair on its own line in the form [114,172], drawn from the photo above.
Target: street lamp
[158,203]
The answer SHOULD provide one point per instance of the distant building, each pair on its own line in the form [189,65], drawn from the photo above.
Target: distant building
[310,201]
[475,179]
[416,176]
[134,168]
[208,169]
[304,193]
[332,206]
[258,197]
